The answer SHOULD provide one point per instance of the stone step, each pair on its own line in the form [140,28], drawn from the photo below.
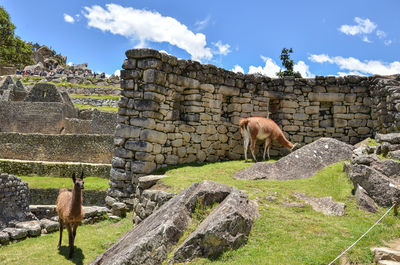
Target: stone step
[386,254]
[57,169]
[387,262]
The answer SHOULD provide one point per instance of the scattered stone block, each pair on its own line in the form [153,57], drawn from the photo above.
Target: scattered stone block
[33,227]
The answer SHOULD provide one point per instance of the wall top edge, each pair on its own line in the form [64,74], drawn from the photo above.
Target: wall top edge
[147,53]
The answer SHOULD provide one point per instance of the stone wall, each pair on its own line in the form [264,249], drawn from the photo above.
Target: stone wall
[47,147]
[175,111]
[14,199]
[57,169]
[49,197]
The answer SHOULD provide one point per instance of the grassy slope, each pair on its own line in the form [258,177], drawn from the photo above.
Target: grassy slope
[94,96]
[38,182]
[106,108]
[280,236]
[294,235]
[91,241]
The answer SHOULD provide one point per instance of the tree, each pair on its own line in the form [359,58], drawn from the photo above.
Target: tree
[288,64]
[13,50]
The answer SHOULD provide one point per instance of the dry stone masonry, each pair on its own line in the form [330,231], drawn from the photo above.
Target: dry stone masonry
[14,199]
[175,111]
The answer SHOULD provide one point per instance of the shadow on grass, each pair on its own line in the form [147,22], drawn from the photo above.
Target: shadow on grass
[78,256]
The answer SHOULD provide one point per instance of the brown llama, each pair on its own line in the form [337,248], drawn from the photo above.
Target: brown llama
[70,211]
[267,130]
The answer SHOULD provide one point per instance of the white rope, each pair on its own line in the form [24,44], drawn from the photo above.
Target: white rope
[362,236]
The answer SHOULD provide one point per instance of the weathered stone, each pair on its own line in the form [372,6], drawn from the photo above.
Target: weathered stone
[146,182]
[327,97]
[229,91]
[302,163]
[153,136]
[227,227]
[142,53]
[153,76]
[141,167]
[126,131]
[364,201]
[16,233]
[140,146]
[311,110]
[119,209]
[325,205]
[4,238]
[149,242]
[393,138]
[32,227]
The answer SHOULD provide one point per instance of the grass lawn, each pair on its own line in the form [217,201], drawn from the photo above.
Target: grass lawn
[38,182]
[294,235]
[91,241]
[281,235]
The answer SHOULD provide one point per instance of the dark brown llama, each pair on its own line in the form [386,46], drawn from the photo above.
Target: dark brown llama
[267,130]
[70,211]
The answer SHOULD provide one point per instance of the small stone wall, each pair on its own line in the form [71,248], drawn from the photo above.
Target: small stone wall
[97,102]
[49,196]
[65,148]
[57,169]
[14,199]
[175,111]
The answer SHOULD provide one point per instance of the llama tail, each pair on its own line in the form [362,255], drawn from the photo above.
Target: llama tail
[243,124]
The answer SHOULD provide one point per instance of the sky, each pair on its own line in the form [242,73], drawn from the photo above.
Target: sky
[359,37]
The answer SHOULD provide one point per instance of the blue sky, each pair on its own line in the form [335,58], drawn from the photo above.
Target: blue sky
[328,37]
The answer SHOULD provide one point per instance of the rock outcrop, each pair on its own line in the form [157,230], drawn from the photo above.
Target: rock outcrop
[302,163]
[325,205]
[151,240]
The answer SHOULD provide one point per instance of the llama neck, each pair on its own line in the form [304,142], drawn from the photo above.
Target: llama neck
[285,142]
[76,197]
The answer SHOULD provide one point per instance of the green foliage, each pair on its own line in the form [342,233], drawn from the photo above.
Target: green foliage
[288,64]
[39,182]
[94,96]
[13,50]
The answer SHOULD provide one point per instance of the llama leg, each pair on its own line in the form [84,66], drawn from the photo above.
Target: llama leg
[252,147]
[71,240]
[246,143]
[266,147]
[75,227]
[61,231]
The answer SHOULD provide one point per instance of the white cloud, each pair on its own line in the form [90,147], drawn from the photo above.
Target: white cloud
[68,18]
[270,68]
[238,69]
[365,39]
[350,73]
[117,72]
[222,48]
[381,34]
[303,69]
[355,65]
[143,26]
[387,42]
[364,26]
[70,64]
[202,24]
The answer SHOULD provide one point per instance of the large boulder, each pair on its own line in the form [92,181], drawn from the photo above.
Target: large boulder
[151,240]
[302,163]
[380,178]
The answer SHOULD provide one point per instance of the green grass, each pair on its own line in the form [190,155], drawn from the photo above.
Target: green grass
[34,79]
[294,235]
[37,182]
[93,96]
[281,235]
[105,108]
[372,142]
[91,241]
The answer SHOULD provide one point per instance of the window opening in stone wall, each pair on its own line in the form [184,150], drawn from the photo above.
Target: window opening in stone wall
[326,115]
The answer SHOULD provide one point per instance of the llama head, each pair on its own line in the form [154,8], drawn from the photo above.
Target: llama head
[78,182]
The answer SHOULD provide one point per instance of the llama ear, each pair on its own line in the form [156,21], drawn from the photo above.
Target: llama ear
[73,177]
[82,175]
